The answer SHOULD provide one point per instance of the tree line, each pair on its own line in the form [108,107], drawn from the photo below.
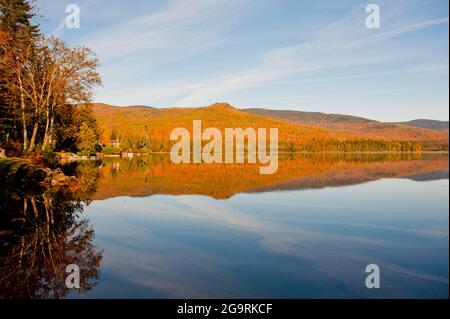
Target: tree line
[146,144]
[357,145]
[45,87]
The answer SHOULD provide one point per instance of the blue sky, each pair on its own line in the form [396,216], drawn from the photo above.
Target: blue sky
[285,54]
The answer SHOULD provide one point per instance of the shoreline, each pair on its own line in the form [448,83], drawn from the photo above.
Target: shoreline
[129,156]
[19,173]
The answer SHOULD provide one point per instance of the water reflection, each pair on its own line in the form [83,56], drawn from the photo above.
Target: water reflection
[174,231]
[187,231]
[156,175]
[41,232]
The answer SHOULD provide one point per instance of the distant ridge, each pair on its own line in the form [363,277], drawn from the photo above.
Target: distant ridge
[353,125]
[127,106]
[430,124]
[140,107]
[308,117]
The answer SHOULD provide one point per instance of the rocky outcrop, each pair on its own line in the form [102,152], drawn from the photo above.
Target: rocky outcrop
[21,174]
[57,177]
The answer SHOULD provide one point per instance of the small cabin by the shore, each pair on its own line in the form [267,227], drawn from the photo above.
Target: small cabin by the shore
[112,143]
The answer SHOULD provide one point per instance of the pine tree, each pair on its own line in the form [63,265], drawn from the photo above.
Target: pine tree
[16,30]
[17,14]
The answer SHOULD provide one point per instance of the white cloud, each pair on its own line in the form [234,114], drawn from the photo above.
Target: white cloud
[179,29]
[402,30]
[343,43]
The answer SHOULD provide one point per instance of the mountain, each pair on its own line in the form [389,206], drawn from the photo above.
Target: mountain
[358,126]
[148,129]
[430,124]
[154,125]
[312,118]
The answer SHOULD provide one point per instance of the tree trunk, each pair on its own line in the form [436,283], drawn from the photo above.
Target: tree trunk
[47,126]
[50,134]
[24,117]
[34,136]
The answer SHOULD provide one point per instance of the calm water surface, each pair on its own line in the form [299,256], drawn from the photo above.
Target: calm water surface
[164,231]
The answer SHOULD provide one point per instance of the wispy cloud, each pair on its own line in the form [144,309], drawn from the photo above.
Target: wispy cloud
[196,52]
[403,30]
[340,44]
[180,28]
[420,69]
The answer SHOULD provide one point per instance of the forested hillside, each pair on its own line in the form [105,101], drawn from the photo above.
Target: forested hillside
[147,129]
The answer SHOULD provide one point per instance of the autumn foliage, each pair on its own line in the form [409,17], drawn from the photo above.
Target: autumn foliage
[144,129]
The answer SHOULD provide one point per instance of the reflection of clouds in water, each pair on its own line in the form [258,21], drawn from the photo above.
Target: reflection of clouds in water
[317,247]
[276,235]
[161,264]
[180,269]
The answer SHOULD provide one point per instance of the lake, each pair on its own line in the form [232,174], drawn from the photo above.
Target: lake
[147,228]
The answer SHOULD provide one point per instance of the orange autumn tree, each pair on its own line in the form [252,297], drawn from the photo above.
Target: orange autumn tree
[40,76]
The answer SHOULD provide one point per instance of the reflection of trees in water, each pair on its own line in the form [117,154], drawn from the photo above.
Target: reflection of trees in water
[156,174]
[87,177]
[40,235]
